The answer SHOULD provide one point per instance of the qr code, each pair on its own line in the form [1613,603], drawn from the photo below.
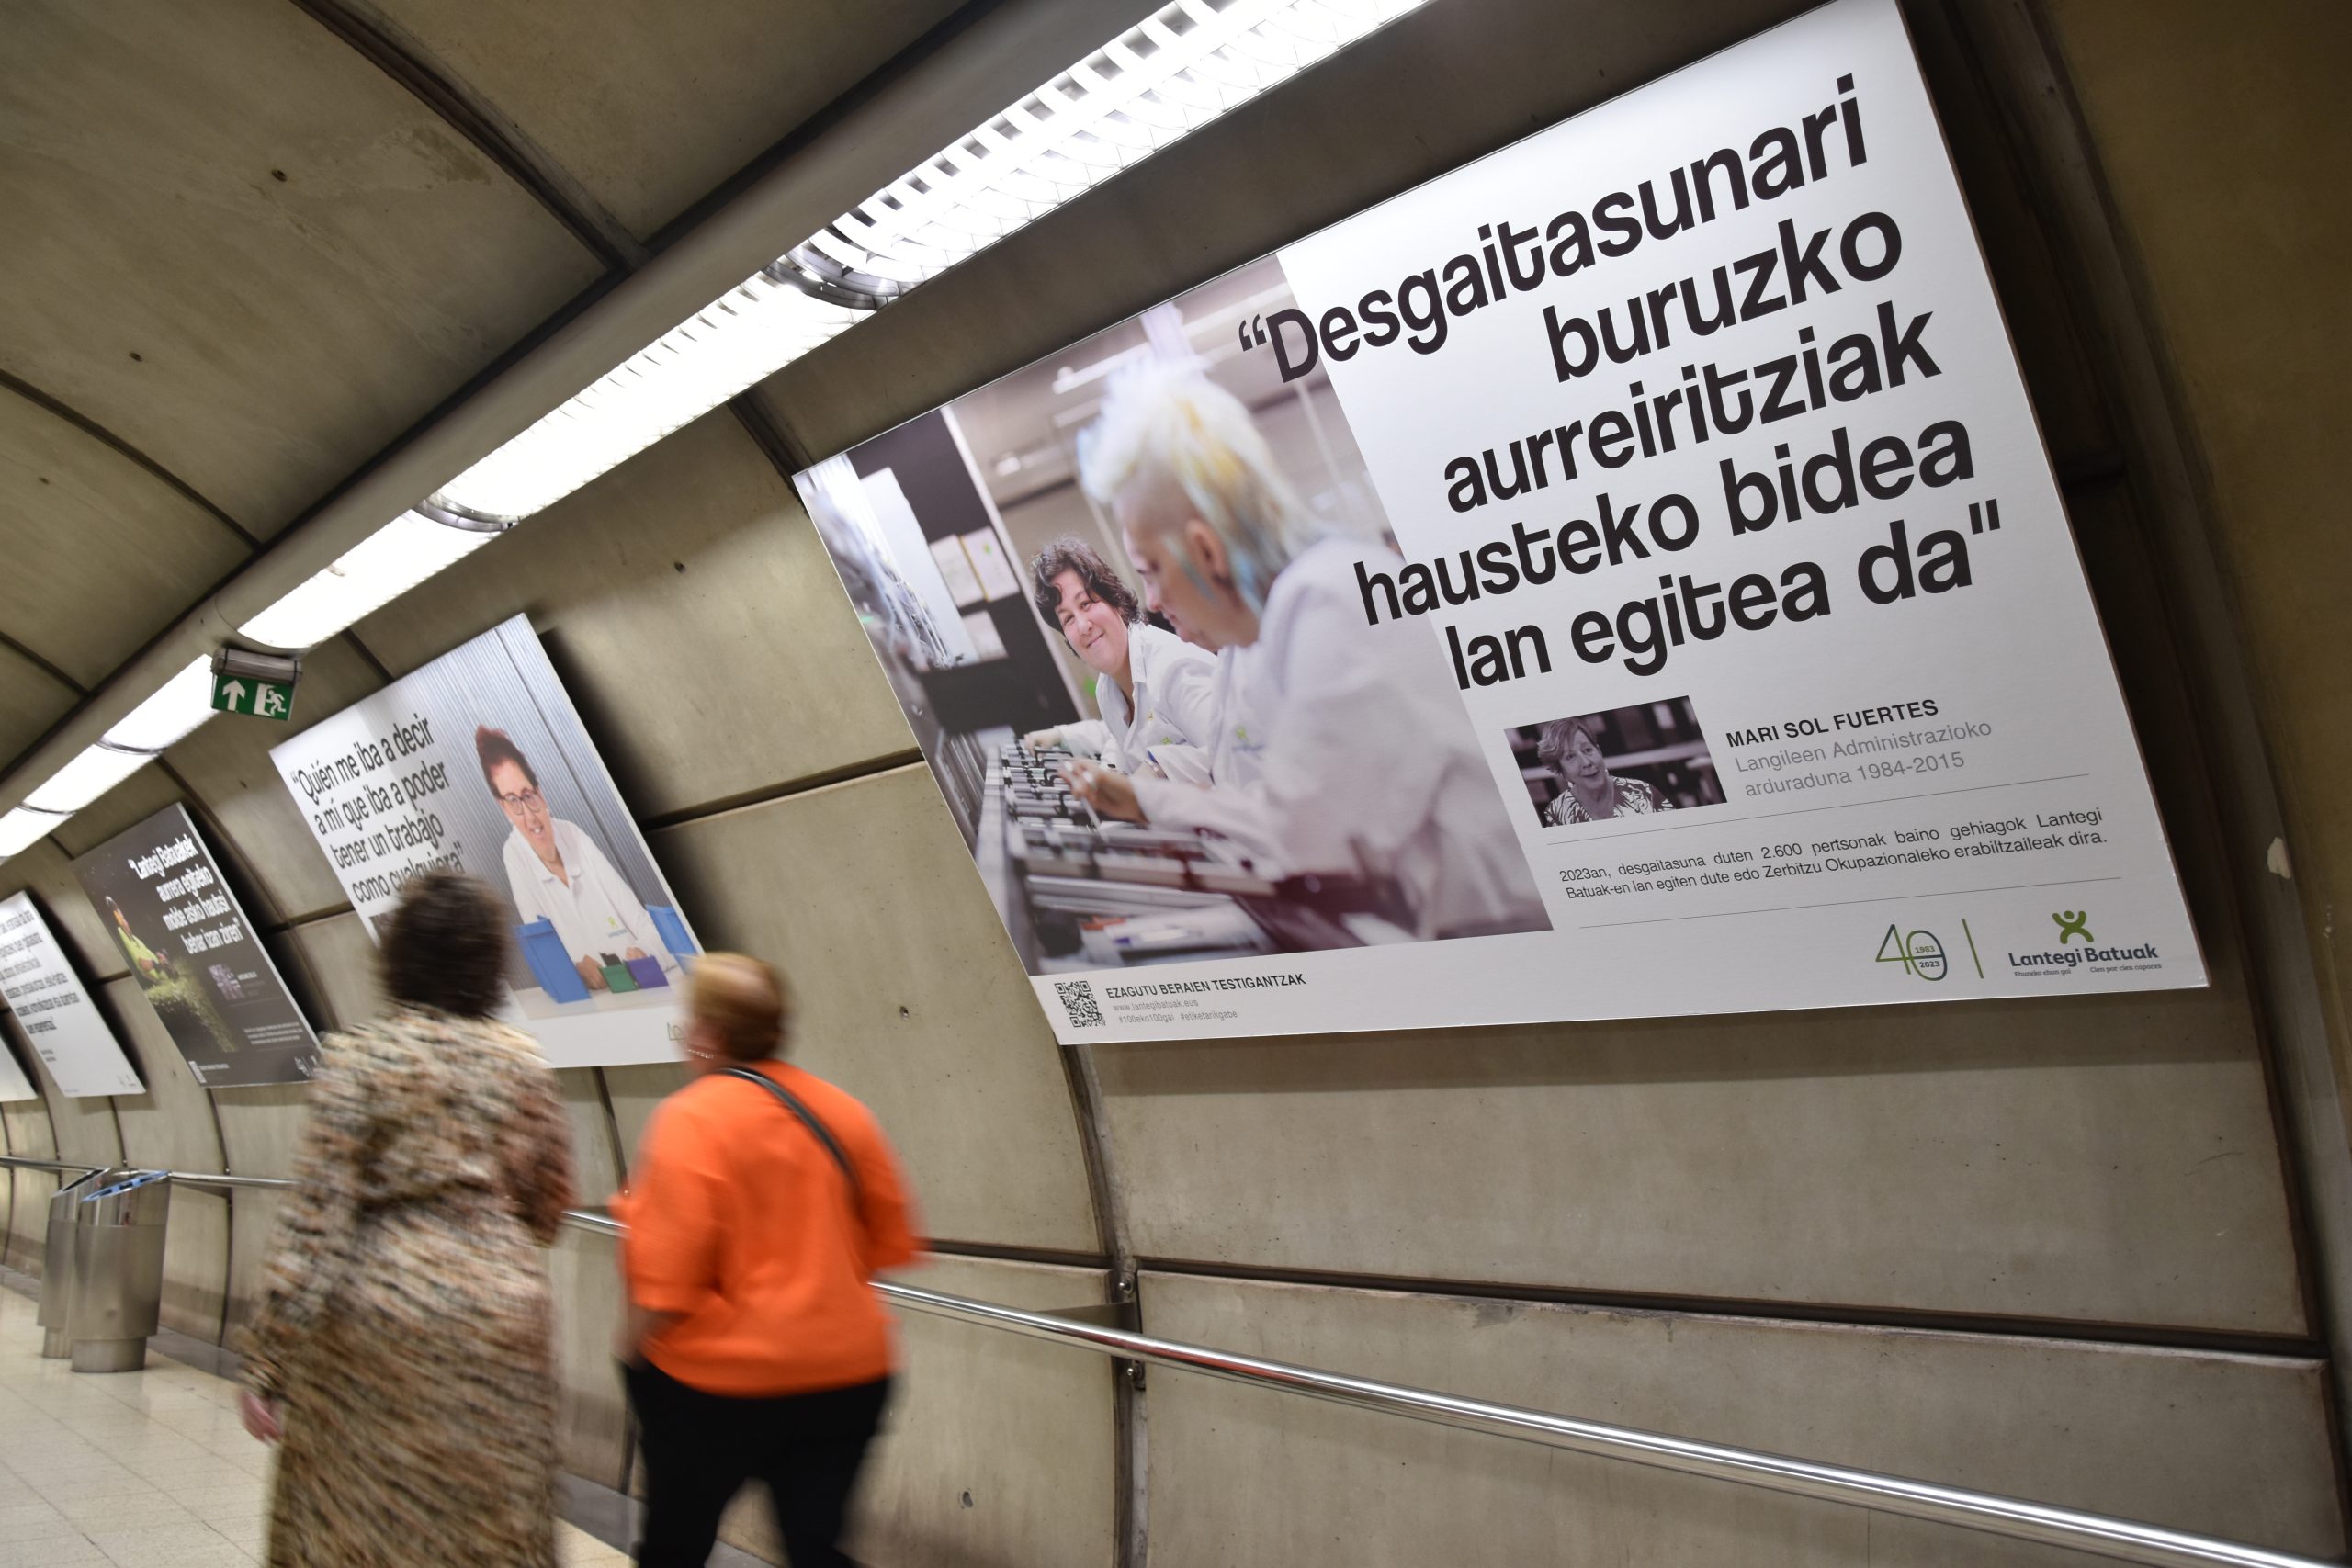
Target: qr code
[1078,997]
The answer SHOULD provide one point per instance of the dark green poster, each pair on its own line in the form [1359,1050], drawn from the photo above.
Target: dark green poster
[195,956]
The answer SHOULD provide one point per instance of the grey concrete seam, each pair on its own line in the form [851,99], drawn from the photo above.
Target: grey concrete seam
[107,438]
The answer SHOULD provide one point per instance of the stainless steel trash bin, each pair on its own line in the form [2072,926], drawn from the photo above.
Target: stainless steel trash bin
[118,1271]
[56,1314]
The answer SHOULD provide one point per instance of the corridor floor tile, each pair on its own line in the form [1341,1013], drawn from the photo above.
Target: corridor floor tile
[149,1469]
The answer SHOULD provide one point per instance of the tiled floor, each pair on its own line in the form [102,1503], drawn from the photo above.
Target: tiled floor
[140,1470]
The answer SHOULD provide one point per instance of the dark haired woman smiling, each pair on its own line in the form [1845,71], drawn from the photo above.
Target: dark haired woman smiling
[402,1350]
[1156,692]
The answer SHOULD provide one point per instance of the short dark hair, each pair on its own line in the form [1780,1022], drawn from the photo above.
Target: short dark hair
[1070,554]
[1557,738]
[495,746]
[446,947]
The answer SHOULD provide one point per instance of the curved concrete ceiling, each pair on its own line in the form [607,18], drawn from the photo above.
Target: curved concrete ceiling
[251,245]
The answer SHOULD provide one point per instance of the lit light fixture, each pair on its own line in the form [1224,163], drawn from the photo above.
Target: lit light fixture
[184,701]
[763,323]
[96,771]
[372,573]
[1189,63]
[22,828]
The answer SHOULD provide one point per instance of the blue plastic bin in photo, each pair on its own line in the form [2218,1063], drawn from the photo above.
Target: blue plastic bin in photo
[551,964]
[673,931]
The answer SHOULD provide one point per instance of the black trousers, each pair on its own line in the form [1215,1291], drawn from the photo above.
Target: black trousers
[700,1448]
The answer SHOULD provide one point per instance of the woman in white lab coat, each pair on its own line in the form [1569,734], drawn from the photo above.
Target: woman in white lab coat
[1365,757]
[1156,690]
[556,874]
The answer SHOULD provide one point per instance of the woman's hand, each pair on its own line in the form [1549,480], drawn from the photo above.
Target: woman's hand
[592,972]
[1111,793]
[1042,740]
[637,1325]
[261,1416]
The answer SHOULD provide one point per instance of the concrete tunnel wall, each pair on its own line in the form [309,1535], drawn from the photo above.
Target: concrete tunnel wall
[2046,1248]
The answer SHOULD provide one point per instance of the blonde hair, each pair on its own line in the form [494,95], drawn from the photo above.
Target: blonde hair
[1165,425]
[745,1000]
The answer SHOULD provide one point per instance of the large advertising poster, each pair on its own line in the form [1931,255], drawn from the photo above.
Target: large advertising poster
[193,951]
[1620,576]
[54,1010]
[479,762]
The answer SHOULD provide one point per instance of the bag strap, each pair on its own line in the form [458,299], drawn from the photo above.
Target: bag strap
[808,1119]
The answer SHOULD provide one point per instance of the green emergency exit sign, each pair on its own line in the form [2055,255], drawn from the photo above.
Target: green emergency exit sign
[252,695]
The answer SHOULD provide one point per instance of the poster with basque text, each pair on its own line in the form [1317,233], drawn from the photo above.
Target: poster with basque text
[1620,576]
[195,956]
[479,763]
[54,1011]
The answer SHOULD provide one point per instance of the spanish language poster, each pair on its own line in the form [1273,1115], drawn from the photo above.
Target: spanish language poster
[193,951]
[479,762]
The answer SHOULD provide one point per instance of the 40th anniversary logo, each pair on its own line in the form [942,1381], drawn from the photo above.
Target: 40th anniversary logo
[1924,956]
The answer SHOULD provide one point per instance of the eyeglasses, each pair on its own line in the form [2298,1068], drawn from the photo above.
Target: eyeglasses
[529,800]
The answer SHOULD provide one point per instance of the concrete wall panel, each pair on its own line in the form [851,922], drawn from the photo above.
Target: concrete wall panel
[85,527]
[25,1123]
[340,964]
[694,616]
[259,1130]
[226,766]
[2105,1159]
[592,1418]
[2220,141]
[253,1222]
[259,336]
[2230,1445]
[997,1451]
[196,1263]
[170,1127]
[908,995]
[31,699]
[696,102]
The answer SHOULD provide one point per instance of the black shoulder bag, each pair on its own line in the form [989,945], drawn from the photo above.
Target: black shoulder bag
[808,1119]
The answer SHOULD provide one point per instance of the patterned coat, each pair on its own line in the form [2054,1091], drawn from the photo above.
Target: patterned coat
[405,1323]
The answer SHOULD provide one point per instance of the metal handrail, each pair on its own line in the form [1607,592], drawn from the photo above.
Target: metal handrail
[60,1166]
[2102,1535]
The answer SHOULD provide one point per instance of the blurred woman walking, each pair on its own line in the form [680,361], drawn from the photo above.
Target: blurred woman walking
[402,1351]
[762,1201]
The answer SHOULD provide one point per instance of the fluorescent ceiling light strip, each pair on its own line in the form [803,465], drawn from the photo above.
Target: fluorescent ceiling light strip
[372,573]
[736,342]
[20,829]
[184,701]
[97,769]
[1186,65]
[1181,68]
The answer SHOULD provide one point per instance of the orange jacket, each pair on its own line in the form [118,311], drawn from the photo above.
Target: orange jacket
[740,1221]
